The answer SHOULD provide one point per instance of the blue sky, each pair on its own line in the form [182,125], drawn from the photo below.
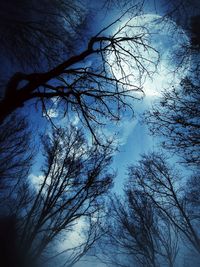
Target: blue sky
[133,136]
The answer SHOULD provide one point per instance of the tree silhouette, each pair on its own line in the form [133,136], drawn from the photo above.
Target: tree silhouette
[36,34]
[163,185]
[176,118]
[75,179]
[94,91]
[15,153]
[137,233]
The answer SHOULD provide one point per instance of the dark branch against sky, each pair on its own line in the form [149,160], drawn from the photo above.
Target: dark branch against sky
[81,75]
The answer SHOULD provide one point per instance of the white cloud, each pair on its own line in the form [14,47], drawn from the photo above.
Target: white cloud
[75,237]
[52,113]
[36,180]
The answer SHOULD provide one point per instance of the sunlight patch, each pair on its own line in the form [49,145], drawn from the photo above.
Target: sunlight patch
[158,55]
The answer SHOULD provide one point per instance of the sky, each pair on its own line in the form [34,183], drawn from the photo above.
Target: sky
[133,136]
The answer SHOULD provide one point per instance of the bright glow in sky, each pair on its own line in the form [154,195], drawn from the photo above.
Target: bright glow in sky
[167,41]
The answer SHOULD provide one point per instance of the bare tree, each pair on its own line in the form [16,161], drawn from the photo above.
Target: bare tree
[87,83]
[179,11]
[163,185]
[135,230]
[137,233]
[176,118]
[15,153]
[36,34]
[169,242]
[75,179]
